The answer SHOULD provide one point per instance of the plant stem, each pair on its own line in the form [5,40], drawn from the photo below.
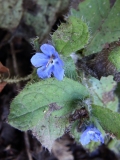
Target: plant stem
[17,80]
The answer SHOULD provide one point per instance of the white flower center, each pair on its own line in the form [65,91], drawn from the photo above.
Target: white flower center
[91,132]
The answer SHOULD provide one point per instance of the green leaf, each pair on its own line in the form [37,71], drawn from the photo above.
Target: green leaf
[71,36]
[10,13]
[114,145]
[70,69]
[102,92]
[109,120]
[35,43]
[103,20]
[114,58]
[74,130]
[45,107]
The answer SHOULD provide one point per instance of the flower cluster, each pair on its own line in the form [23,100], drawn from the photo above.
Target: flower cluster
[91,134]
[48,63]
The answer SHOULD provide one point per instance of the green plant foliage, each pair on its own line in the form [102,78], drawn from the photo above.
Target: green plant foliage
[35,43]
[114,58]
[103,20]
[70,69]
[114,145]
[74,130]
[45,107]
[10,13]
[109,120]
[78,126]
[71,36]
[102,92]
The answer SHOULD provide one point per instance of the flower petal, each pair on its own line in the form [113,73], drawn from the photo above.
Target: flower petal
[56,54]
[57,58]
[95,137]
[84,139]
[58,71]
[45,72]
[47,49]
[60,61]
[91,134]
[101,139]
[39,59]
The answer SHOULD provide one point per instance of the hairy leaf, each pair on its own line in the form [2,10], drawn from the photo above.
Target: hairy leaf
[71,36]
[70,69]
[109,120]
[103,20]
[45,107]
[114,58]
[103,92]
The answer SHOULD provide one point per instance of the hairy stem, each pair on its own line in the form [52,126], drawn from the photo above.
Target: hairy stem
[17,80]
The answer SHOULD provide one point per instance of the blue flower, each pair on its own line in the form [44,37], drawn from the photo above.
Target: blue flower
[91,134]
[48,63]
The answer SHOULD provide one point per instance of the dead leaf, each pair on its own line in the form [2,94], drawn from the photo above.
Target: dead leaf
[61,148]
[3,69]
[108,96]
[2,85]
